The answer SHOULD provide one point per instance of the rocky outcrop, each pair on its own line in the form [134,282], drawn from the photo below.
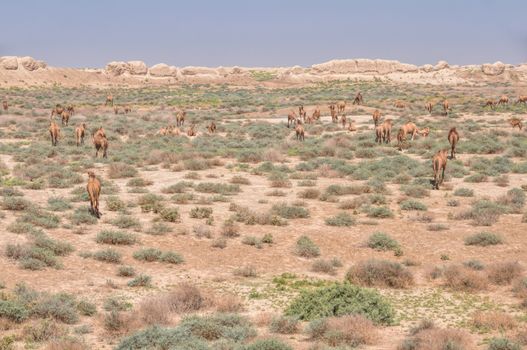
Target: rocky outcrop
[191,70]
[9,62]
[363,66]
[496,68]
[29,63]
[162,70]
[117,68]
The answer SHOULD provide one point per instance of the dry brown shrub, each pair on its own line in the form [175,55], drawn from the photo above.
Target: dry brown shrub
[185,298]
[460,278]
[228,303]
[351,330]
[66,344]
[43,330]
[263,319]
[505,272]
[493,320]
[154,310]
[272,155]
[440,339]
[380,273]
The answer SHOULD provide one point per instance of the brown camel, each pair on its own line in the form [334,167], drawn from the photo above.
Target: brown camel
[116,110]
[109,100]
[94,191]
[504,99]
[333,112]
[127,109]
[399,104]
[490,103]
[376,117]
[99,132]
[212,127]
[291,119]
[515,122]
[65,117]
[410,128]
[453,138]
[100,142]
[80,131]
[191,131]
[301,111]
[54,132]
[521,99]
[343,121]
[401,138]
[383,132]
[358,99]
[299,131]
[424,132]
[428,107]
[180,118]
[341,106]
[446,107]
[70,109]
[351,126]
[439,165]
[316,114]
[5,105]
[56,111]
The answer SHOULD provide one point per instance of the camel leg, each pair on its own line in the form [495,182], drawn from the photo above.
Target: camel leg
[443,175]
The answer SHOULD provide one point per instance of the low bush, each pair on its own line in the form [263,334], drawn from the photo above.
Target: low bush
[108,255]
[381,273]
[289,212]
[284,325]
[483,239]
[306,248]
[382,242]
[345,331]
[410,204]
[341,219]
[115,237]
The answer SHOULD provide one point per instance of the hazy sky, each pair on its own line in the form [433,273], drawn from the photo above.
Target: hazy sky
[82,33]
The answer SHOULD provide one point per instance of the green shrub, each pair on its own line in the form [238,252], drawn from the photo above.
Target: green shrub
[284,325]
[225,189]
[170,214]
[148,254]
[115,237]
[61,307]
[140,281]
[415,191]
[55,246]
[310,193]
[82,216]
[121,170]
[464,192]
[503,344]
[13,311]
[341,299]
[114,203]
[306,248]
[108,255]
[126,271]
[379,212]
[382,242]
[171,257]
[86,308]
[200,212]
[267,344]
[15,203]
[483,239]
[126,221]
[58,204]
[410,204]
[161,338]
[289,212]
[341,219]
[159,228]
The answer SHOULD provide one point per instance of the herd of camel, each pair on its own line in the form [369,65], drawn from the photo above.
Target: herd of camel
[383,132]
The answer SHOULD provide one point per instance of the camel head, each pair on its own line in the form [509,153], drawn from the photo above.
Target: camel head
[83,125]
[91,174]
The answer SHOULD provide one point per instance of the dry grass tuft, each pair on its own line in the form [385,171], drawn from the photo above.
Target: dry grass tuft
[493,320]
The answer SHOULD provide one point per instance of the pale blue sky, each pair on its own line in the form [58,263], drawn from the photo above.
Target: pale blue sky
[81,33]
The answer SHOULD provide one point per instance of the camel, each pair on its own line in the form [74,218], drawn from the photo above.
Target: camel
[504,99]
[424,132]
[212,127]
[70,109]
[521,99]
[172,130]
[65,117]
[291,119]
[299,131]
[180,118]
[515,122]
[316,114]
[343,121]
[383,132]
[56,111]
[428,107]
[401,138]
[376,117]
[94,191]
[79,133]
[54,131]
[453,138]
[490,103]
[410,128]
[127,109]
[358,99]
[5,105]
[116,110]
[399,104]
[109,100]
[100,142]
[309,120]
[351,126]
[439,165]
[341,106]
[302,112]
[446,106]
[191,131]
[333,112]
